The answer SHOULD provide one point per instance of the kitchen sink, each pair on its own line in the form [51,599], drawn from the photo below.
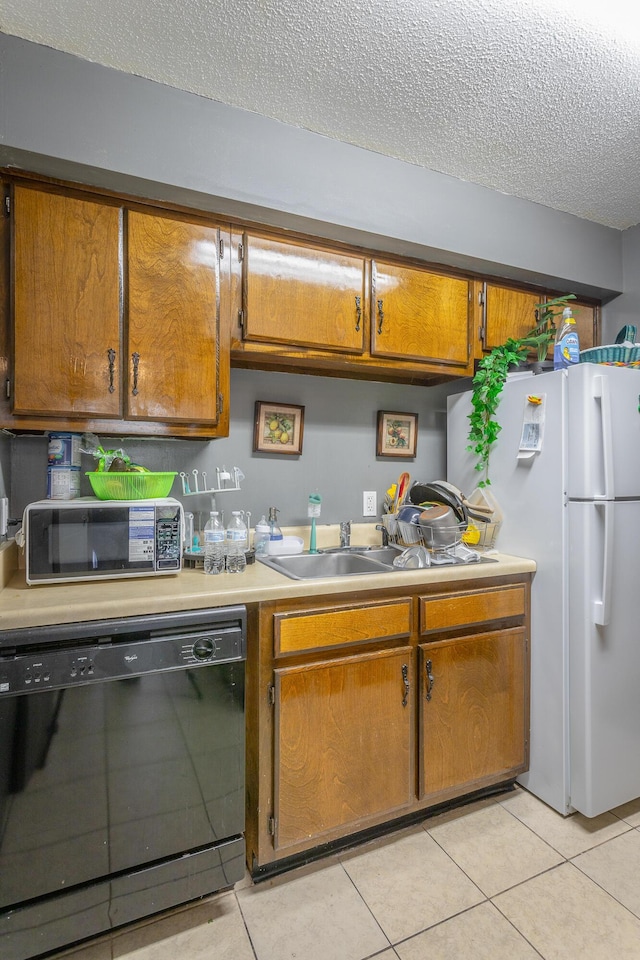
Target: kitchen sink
[338,563]
[381,554]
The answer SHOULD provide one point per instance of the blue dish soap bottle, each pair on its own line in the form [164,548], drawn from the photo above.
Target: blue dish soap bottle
[566,350]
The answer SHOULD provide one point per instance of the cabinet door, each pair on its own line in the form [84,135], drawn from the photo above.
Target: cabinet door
[67,305]
[511,313]
[343,743]
[507,313]
[587,322]
[173,310]
[303,296]
[417,315]
[473,710]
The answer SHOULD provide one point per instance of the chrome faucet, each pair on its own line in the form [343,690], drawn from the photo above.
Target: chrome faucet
[345,533]
[385,534]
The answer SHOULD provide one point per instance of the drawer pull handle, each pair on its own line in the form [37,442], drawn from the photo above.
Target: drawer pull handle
[358,313]
[430,680]
[111,354]
[380,316]
[405,680]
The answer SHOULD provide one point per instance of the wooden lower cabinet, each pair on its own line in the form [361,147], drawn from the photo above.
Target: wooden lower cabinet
[363,709]
[473,710]
[337,726]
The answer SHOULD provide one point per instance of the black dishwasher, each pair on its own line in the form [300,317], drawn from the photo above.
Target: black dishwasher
[121,772]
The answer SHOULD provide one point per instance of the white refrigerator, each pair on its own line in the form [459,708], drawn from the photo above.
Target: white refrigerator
[573,506]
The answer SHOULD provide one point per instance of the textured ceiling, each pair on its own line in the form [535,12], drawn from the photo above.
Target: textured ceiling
[523,96]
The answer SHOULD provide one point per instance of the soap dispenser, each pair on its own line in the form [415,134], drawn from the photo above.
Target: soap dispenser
[275,533]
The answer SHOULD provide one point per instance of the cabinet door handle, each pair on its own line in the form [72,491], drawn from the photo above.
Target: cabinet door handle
[358,313]
[380,316]
[135,359]
[430,680]
[111,354]
[405,680]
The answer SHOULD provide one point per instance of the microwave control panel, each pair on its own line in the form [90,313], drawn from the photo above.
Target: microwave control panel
[168,542]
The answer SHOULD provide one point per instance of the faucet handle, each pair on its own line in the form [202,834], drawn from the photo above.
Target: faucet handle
[345,532]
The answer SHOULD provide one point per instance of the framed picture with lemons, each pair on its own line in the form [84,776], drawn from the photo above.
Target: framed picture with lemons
[278,428]
[397,434]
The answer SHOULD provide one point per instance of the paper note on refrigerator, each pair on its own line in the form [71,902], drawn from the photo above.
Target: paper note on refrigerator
[532,425]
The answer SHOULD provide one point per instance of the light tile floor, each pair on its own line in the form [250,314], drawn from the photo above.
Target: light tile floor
[505,878]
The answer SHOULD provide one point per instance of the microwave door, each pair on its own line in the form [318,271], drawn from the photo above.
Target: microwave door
[68,544]
[120,541]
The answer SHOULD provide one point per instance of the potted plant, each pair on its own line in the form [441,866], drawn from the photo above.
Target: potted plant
[491,376]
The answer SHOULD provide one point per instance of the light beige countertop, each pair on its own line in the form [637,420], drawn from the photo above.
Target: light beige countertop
[27,606]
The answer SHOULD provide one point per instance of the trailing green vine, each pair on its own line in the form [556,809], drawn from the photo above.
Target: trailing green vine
[491,376]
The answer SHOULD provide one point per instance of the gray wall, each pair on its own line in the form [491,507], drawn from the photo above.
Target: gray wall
[338,454]
[70,118]
[625,309]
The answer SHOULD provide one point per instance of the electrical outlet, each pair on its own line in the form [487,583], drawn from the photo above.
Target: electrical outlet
[369,504]
[4,516]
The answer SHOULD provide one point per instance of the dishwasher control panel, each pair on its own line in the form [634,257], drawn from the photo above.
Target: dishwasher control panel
[57,668]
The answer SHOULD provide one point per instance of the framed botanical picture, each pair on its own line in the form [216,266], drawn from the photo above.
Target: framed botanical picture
[397,434]
[278,428]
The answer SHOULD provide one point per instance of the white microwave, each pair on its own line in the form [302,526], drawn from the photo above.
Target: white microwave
[91,539]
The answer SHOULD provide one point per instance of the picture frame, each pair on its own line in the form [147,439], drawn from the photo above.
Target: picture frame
[397,435]
[278,428]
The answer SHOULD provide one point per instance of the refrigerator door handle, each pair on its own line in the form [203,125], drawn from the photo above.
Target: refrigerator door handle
[601,607]
[602,394]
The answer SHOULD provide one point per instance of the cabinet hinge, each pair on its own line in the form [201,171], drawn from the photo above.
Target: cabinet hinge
[7,205]
[221,247]
[271,826]
[7,388]
[240,252]
[271,695]
[220,404]
[241,319]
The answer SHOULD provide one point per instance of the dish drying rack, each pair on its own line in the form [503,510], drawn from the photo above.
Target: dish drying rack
[478,535]
[226,482]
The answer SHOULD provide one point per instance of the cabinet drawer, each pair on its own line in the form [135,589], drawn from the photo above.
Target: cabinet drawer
[311,630]
[469,609]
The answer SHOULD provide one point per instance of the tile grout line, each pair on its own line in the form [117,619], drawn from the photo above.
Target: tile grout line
[253,949]
[375,919]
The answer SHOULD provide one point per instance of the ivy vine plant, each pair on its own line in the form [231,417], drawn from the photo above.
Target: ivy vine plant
[491,375]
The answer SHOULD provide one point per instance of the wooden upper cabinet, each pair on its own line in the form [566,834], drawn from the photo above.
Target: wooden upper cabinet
[507,313]
[301,295]
[420,316]
[67,305]
[510,312]
[173,319]
[115,318]
[586,317]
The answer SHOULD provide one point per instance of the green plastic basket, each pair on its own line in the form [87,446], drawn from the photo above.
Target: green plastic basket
[131,486]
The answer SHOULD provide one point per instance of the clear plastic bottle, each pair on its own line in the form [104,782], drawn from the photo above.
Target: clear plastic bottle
[567,346]
[261,537]
[213,544]
[237,543]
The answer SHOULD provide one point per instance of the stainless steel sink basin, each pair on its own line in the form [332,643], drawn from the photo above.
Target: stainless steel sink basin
[381,554]
[340,563]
